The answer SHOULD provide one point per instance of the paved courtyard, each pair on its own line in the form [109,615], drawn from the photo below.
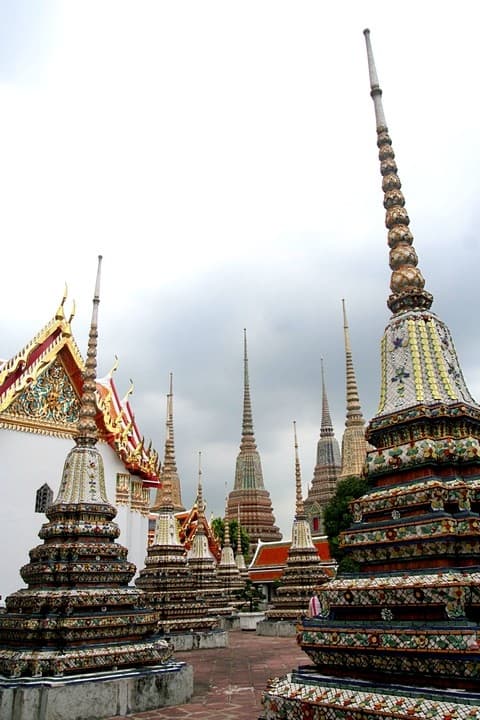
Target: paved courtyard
[228,682]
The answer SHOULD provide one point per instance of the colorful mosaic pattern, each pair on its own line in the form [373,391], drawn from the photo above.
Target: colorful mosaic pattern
[292,700]
[419,364]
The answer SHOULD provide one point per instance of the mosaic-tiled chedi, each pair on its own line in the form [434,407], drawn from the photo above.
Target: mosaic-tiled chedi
[78,613]
[303,572]
[228,573]
[203,565]
[167,581]
[327,468]
[411,614]
[249,492]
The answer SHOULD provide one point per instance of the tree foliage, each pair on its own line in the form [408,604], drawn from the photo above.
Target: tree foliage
[338,517]
[218,527]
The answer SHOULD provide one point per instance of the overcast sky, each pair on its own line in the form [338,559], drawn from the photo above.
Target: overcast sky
[222,157]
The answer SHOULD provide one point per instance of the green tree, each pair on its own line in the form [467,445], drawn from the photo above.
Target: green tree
[251,595]
[218,527]
[338,517]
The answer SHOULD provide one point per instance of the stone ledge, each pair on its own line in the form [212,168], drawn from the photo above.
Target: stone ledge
[96,695]
[181,642]
[276,628]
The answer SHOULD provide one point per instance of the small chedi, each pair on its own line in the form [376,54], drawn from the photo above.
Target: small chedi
[327,468]
[203,564]
[303,572]
[228,573]
[400,637]
[166,578]
[249,493]
[78,613]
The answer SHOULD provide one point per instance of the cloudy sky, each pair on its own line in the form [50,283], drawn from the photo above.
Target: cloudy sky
[221,156]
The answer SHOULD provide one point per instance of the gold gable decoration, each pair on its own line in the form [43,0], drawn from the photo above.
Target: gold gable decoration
[48,405]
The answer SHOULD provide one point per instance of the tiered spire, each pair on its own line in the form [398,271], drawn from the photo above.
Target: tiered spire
[167,580]
[302,572]
[169,477]
[327,466]
[249,491]
[354,445]
[202,563]
[415,536]
[71,618]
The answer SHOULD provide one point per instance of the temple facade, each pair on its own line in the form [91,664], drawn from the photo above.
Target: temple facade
[327,468]
[400,637]
[249,496]
[40,391]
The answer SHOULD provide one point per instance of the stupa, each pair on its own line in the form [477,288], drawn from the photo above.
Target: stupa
[228,572]
[303,572]
[354,444]
[249,491]
[168,582]
[203,564]
[78,616]
[400,638]
[327,468]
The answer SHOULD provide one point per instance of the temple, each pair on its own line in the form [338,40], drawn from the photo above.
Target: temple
[249,493]
[327,468]
[400,637]
[40,391]
[78,614]
[354,444]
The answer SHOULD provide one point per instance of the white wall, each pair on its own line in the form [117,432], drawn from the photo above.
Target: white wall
[28,461]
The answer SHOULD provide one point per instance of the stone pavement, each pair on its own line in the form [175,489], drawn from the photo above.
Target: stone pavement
[228,682]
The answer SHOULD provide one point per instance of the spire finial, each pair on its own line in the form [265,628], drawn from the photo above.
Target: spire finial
[299,511]
[326,428]
[354,411]
[200,504]
[87,427]
[247,421]
[407,283]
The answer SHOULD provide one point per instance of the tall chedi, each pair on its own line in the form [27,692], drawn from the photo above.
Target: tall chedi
[78,613]
[256,513]
[354,444]
[303,572]
[327,468]
[169,474]
[407,624]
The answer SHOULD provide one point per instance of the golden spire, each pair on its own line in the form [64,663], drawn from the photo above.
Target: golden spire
[407,283]
[354,411]
[248,439]
[87,432]
[299,510]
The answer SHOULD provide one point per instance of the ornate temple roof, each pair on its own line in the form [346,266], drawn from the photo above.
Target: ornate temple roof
[40,390]
[270,559]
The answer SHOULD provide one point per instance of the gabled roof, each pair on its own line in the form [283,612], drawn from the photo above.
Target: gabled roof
[187,522]
[270,559]
[40,390]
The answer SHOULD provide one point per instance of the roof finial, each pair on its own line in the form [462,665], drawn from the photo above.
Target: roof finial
[87,427]
[299,510]
[407,283]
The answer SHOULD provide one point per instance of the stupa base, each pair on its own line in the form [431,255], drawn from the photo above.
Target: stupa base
[96,695]
[277,628]
[197,640]
[306,694]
